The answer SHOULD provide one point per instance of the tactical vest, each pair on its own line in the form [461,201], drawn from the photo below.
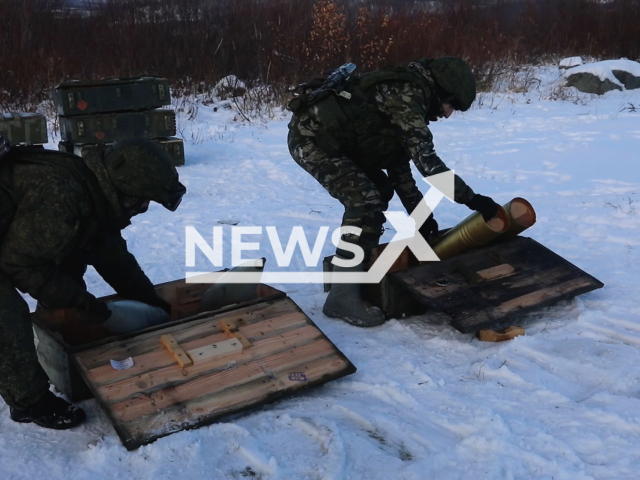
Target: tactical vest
[70,163]
[355,126]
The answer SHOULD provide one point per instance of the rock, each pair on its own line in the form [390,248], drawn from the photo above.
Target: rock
[589,83]
[629,80]
[601,77]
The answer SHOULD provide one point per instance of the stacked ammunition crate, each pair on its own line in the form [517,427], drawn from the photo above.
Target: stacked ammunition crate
[24,128]
[96,114]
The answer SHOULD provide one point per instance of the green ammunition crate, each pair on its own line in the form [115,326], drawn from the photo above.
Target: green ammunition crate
[24,128]
[112,127]
[173,146]
[112,95]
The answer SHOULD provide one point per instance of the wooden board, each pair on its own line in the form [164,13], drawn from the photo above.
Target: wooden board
[494,285]
[157,397]
[61,334]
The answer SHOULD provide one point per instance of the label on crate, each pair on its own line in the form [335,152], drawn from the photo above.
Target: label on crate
[122,364]
[297,377]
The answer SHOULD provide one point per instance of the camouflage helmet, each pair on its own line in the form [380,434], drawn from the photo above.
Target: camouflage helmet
[455,79]
[139,168]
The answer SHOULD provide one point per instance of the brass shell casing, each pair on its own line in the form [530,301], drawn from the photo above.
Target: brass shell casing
[472,232]
[521,216]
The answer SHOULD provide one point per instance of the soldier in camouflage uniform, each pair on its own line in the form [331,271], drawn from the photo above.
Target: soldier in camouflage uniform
[58,214]
[346,142]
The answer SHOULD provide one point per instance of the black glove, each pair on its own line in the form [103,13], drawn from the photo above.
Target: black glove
[429,228]
[485,205]
[92,311]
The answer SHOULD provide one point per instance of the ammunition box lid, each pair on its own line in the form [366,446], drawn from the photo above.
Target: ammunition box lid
[256,351]
[76,98]
[17,116]
[109,82]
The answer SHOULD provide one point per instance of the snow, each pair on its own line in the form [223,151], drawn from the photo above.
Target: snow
[570,62]
[604,70]
[562,402]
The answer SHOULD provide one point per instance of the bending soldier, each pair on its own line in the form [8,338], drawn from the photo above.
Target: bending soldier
[58,214]
[346,139]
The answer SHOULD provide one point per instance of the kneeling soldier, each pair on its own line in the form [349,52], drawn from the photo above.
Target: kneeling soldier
[58,214]
[347,135]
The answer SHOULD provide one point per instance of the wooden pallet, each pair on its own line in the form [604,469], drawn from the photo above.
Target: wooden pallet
[493,286]
[156,396]
[489,287]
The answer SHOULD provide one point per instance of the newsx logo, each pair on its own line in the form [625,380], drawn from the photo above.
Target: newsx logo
[407,236]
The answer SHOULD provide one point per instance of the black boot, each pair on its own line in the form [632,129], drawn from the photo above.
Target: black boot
[49,412]
[345,302]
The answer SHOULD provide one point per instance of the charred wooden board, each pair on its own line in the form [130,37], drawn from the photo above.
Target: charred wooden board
[494,285]
[157,397]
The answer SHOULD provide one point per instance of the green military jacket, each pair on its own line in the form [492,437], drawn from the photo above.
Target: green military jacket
[63,212]
[383,125]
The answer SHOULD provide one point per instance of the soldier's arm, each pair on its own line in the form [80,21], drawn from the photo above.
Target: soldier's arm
[407,109]
[119,268]
[405,185]
[43,231]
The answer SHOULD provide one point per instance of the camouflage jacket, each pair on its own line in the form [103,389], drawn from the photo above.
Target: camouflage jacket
[56,222]
[384,129]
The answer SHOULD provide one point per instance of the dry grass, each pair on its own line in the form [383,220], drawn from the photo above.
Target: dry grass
[280,42]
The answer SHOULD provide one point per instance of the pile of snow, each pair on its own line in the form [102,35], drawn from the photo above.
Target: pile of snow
[601,77]
[230,86]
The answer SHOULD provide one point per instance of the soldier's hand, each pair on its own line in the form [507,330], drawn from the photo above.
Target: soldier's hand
[484,205]
[429,228]
[92,311]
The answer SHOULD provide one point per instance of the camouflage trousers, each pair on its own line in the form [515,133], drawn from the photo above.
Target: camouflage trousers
[364,193]
[22,379]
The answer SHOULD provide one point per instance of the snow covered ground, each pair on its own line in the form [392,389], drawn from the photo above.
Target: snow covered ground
[427,402]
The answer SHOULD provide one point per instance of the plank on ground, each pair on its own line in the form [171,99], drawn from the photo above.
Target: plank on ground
[537,299]
[502,289]
[522,276]
[521,267]
[516,285]
[542,296]
[498,271]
